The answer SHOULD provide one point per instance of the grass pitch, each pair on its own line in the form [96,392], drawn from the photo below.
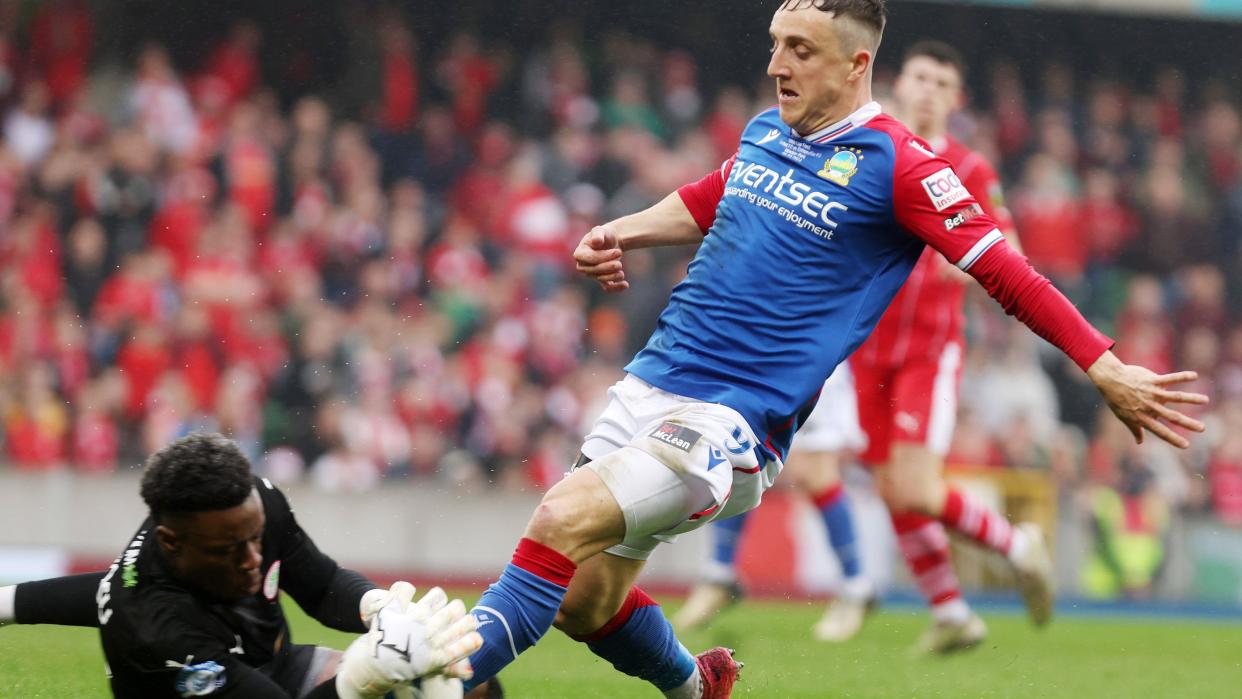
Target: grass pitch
[1074,657]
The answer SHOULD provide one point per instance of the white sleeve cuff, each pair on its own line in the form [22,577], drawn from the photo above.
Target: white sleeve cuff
[8,611]
[976,251]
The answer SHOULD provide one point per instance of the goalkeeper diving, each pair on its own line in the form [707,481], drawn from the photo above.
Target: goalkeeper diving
[192,607]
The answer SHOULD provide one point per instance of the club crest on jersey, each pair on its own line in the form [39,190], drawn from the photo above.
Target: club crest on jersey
[841,166]
[271,585]
[676,435]
[200,679]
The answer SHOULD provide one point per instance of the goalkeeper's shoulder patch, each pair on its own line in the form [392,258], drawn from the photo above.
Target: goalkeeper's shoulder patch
[200,679]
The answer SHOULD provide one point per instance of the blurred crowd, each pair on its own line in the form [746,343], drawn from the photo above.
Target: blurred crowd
[376,282]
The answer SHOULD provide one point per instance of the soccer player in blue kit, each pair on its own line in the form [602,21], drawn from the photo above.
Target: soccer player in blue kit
[804,236]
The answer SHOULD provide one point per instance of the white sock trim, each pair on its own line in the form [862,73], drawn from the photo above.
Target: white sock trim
[503,622]
[955,611]
[1018,543]
[692,688]
[8,611]
[857,589]
[718,573]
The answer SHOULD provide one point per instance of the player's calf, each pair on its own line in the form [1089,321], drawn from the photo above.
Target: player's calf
[639,641]
[577,519]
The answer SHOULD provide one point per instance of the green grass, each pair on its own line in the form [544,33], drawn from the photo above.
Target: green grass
[1075,657]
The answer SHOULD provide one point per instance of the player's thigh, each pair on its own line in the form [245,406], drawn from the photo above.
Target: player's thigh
[925,412]
[596,593]
[912,479]
[670,463]
[873,387]
[813,471]
[579,516]
[655,496]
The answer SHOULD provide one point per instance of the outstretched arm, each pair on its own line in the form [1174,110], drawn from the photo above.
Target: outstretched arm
[67,601]
[927,196]
[667,223]
[1136,395]
[681,218]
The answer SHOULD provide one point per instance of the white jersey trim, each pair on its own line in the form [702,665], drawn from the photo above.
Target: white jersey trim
[864,114]
[976,251]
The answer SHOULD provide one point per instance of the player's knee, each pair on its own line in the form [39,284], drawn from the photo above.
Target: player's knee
[573,525]
[552,524]
[906,496]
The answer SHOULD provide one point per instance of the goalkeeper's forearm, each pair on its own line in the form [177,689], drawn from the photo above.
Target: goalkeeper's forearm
[67,601]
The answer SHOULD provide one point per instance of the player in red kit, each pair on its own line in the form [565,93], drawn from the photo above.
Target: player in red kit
[907,375]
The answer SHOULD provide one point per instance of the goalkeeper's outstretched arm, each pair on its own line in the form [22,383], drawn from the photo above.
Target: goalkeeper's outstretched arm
[67,601]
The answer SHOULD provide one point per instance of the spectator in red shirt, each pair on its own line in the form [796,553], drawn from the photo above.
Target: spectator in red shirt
[470,78]
[143,361]
[249,167]
[398,108]
[1225,467]
[1046,210]
[61,42]
[36,425]
[234,63]
[96,434]
[727,120]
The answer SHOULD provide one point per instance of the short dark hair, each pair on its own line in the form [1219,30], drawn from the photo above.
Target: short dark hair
[939,52]
[872,13]
[198,473]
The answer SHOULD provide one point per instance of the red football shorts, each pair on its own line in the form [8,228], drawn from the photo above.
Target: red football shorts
[913,402]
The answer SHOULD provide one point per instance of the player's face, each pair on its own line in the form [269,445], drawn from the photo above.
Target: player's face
[811,69]
[928,91]
[220,551]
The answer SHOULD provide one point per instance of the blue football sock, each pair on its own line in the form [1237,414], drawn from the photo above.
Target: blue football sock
[834,507]
[726,534]
[517,610]
[640,642]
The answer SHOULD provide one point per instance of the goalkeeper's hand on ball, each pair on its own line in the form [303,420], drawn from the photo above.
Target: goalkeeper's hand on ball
[407,641]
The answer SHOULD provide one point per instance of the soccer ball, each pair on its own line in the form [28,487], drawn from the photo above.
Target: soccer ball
[434,688]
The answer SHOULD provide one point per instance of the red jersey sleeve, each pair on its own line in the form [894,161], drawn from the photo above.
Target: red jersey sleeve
[932,203]
[982,181]
[702,197]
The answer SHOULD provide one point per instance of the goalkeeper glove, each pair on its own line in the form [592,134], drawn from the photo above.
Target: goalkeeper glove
[432,636]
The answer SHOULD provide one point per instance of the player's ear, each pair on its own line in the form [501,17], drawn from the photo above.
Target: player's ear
[860,65]
[169,543]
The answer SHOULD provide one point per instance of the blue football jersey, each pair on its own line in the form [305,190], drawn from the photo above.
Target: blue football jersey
[812,238]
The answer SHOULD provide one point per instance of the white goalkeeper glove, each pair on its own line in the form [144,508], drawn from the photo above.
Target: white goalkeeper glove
[432,636]
[395,598]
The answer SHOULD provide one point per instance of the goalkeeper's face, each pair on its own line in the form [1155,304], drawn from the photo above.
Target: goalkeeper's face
[219,551]
[820,64]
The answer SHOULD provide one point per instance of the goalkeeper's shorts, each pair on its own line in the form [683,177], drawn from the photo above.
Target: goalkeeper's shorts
[298,668]
[673,463]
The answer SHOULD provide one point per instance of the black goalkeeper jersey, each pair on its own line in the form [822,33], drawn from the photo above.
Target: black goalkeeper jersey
[164,639]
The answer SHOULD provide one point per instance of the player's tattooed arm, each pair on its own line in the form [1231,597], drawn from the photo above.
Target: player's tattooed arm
[667,223]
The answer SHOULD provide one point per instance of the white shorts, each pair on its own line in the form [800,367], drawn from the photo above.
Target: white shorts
[833,424]
[673,463]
